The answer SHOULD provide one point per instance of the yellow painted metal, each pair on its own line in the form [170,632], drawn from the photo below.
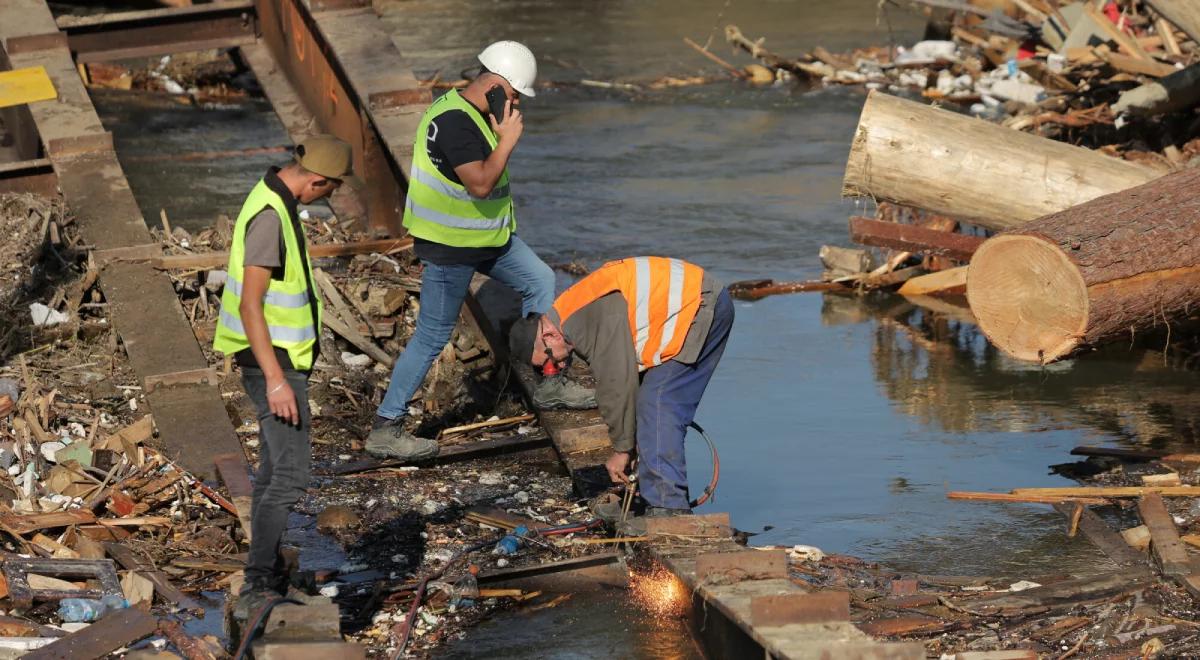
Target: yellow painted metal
[27,85]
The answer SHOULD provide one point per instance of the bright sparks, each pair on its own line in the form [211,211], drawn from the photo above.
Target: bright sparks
[659,592]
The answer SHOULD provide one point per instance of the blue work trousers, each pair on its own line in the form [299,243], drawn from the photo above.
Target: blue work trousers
[666,404]
[443,290]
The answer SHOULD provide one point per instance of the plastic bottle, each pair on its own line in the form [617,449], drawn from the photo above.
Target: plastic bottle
[511,543]
[86,610]
[466,588]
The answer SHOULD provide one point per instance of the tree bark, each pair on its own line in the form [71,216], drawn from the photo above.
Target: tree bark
[1105,270]
[1185,14]
[966,168]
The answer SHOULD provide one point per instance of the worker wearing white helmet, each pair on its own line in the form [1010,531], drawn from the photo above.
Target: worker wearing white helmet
[459,210]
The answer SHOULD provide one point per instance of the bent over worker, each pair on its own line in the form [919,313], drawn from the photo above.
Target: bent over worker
[460,212]
[270,324]
[653,330]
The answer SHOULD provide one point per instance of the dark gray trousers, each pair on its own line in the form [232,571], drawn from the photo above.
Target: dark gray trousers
[283,473]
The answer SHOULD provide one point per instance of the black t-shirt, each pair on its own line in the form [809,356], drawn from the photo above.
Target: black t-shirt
[453,140]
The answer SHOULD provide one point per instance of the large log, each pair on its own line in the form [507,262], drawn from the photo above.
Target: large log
[966,168]
[1108,269]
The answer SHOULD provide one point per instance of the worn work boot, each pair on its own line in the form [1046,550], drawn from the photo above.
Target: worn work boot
[561,393]
[253,596]
[388,439]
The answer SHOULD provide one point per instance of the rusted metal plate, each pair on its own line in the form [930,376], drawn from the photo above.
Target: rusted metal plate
[113,631]
[33,176]
[896,236]
[783,609]
[904,625]
[35,42]
[17,570]
[160,31]
[709,525]
[323,86]
[742,565]
[310,651]
[334,5]
[75,145]
[905,587]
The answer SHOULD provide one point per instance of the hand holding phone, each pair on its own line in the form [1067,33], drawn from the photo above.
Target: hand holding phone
[496,99]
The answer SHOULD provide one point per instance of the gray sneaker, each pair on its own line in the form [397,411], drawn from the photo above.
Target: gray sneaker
[559,392]
[389,440]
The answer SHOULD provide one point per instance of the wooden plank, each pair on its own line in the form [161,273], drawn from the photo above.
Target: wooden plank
[952,281]
[970,496]
[340,319]
[905,625]
[1104,537]
[708,525]
[1125,41]
[1118,452]
[1127,64]
[1168,550]
[1060,594]
[210,260]
[1112,491]
[26,523]
[235,474]
[452,454]
[584,438]
[911,238]
[113,631]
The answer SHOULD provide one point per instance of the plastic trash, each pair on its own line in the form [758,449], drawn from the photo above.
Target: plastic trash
[76,610]
[43,315]
[466,589]
[511,543]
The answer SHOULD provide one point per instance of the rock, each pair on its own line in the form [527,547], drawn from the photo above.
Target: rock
[430,507]
[337,518]
[356,360]
[491,478]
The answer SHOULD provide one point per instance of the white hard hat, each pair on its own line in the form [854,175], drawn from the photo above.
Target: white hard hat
[513,62]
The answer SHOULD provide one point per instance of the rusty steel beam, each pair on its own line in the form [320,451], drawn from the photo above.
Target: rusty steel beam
[299,50]
[159,31]
[29,176]
[897,236]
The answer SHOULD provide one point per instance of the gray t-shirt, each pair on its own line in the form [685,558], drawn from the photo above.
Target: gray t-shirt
[264,242]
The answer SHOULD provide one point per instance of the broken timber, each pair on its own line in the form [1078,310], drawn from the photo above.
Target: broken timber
[145,311]
[115,630]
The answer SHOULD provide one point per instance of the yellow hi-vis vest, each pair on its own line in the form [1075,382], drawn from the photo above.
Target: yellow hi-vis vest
[293,319]
[440,210]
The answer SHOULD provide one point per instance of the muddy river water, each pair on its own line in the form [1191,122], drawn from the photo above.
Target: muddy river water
[840,423]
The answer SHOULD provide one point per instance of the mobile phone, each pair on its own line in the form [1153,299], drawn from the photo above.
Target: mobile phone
[496,99]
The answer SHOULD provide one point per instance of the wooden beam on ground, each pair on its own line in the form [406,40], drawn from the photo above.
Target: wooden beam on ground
[1169,551]
[114,630]
[235,474]
[913,238]
[452,454]
[949,282]
[1103,536]
[1183,13]
[1060,595]
[521,572]
[211,260]
[163,588]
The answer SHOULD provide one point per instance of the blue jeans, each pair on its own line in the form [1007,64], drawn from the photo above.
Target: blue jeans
[666,404]
[443,290]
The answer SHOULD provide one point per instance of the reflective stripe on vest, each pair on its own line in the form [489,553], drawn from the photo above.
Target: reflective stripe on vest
[457,192]
[448,220]
[276,298]
[278,332]
[663,295]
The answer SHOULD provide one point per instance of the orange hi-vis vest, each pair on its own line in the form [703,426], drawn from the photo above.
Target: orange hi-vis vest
[663,295]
